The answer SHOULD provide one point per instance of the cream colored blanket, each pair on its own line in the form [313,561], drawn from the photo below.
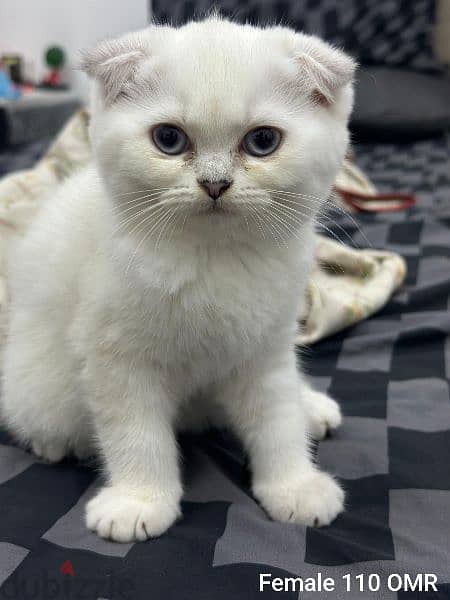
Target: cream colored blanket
[346,285]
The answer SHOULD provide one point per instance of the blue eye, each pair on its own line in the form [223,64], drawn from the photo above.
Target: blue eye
[170,139]
[261,141]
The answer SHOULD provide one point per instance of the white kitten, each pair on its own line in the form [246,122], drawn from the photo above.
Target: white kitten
[159,287]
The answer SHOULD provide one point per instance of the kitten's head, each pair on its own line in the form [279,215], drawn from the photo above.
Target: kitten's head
[217,126]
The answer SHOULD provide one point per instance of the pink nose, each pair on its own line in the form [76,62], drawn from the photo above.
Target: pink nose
[214,189]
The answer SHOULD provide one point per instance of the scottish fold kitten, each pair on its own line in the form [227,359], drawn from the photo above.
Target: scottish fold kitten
[159,288]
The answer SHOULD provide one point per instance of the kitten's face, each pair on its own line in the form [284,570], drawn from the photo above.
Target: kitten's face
[219,125]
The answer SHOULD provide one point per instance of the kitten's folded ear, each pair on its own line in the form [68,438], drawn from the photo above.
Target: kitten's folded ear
[113,63]
[323,68]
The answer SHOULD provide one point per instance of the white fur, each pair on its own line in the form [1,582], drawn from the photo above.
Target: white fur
[127,325]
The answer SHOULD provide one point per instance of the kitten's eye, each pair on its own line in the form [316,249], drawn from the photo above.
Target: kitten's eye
[261,141]
[170,139]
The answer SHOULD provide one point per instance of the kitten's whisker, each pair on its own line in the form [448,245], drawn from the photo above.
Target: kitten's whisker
[257,220]
[273,228]
[299,194]
[281,234]
[289,228]
[325,208]
[289,208]
[261,224]
[174,227]
[250,216]
[280,231]
[324,202]
[148,190]
[122,224]
[160,218]
[300,222]
[134,200]
[139,202]
[165,226]
[151,212]
[332,233]
[344,231]
[324,226]
[246,222]
[321,209]
[130,219]
[184,221]
[279,218]
[154,226]
[290,200]
[296,205]
[162,210]
[346,213]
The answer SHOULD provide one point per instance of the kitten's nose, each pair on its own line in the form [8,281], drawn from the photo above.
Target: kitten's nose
[214,189]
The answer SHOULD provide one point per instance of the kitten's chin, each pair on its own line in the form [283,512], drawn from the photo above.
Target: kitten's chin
[216,210]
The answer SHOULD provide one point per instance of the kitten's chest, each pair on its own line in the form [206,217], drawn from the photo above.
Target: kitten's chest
[229,306]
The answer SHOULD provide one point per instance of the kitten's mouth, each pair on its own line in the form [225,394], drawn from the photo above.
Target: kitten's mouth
[216,208]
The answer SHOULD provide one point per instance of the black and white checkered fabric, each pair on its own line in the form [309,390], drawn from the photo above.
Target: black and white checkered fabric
[382,32]
[391,375]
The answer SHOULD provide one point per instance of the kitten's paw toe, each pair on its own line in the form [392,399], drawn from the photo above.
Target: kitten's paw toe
[324,414]
[313,499]
[121,516]
[50,450]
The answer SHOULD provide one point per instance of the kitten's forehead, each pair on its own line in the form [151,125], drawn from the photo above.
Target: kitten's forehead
[232,67]
[229,46]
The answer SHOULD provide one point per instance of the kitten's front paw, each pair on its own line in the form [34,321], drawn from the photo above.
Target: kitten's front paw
[313,499]
[121,516]
[324,414]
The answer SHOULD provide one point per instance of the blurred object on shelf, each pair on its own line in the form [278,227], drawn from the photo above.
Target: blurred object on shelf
[13,64]
[55,59]
[8,89]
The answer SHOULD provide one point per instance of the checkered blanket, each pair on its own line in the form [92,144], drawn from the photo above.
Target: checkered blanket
[391,376]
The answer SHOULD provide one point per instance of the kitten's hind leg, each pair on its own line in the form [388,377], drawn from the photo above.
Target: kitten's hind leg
[40,402]
[54,448]
[323,413]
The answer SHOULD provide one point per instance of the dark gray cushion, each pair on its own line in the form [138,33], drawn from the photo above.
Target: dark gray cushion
[377,32]
[37,115]
[399,104]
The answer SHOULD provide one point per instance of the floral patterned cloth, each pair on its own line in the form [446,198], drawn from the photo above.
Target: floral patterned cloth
[346,285]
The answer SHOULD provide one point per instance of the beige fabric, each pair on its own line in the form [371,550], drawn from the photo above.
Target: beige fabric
[442,32]
[353,179]
[346,285]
